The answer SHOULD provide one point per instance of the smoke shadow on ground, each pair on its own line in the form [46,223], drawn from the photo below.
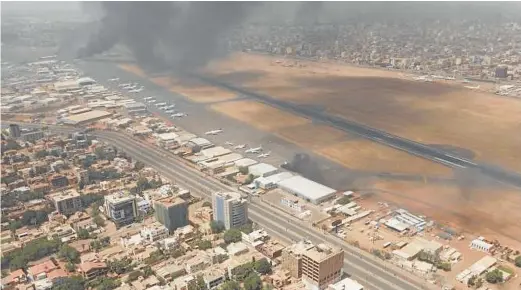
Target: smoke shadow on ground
[241,77]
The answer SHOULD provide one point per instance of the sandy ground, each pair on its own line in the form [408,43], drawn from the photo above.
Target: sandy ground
[476,125]
[347,150]
[490,212]
[192,89]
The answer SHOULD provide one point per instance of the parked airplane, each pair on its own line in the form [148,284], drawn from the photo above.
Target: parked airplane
[147,98]
[137,90]
[239,146]
[213,132]
[160,104]
[169,111]
[264,155]
[170,106]
[229,143]
[179,115]
[254,150]
[114,80]
[125,85]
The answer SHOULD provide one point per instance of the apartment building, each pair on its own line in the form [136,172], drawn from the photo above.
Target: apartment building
[154,232]
[92,270]
[321,266]
[292,257]
[230,209]
[67,202]
[172,212]
[121,208]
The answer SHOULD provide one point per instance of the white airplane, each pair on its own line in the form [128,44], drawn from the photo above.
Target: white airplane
[254,150]
[229,143]
[151,101]
[169,111]
[147,98]
[239,146]
[113,80]
[264,155]
[170,106]
[180,115]
[137,90]
[125,85]
[213,132]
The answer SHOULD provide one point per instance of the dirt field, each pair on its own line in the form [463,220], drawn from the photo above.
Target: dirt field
[194,90]
[348,150]
[475,125]
[489,212]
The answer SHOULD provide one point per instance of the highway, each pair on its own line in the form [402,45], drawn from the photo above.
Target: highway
[364,267]
[382,137]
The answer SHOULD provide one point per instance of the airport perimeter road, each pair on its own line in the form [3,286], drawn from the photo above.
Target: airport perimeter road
[412,147]
[367,269]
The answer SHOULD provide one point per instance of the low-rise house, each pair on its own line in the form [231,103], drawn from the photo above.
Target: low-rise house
[92,270]
[154,232]
[40,271]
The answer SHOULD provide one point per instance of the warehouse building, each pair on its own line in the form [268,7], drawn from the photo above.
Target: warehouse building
[135,108]
[263,170]
[85,118]
[307,189]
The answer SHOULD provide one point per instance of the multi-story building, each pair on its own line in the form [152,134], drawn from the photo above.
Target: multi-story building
[58,180]
[321,266]
[14,131]
[121,208]
[83,176]
[31,136]
[292,257]
[172,212]
[230,209]
[154,232]
[66,202]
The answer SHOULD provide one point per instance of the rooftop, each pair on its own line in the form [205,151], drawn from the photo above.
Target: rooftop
[64,195]
[87,116]
[170,201]
[307,188]
[119,197]
[229,195]
[167,136]
[322,252]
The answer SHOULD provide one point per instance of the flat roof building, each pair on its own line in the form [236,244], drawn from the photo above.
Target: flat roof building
[346,284]
[67,201]
[121,208]
[85,118]
[262,170]
[172,212]
[307,189]
[230,209]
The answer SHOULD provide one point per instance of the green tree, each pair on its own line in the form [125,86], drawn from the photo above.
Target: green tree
[207,204]
[479,283]
[344,200]
[99,221]
[69,253]
[217,226]
[262,266]
[70,267]
[247,228]
[494,276]
[83,234]
[199,284]
[517,261]
[230,285]
[120,266]
[70,283]
[249,179]
[445,266]
[471,282]
[232,236]
[134,275]
[204,245]
[139,165]
[147,271]
[104,283]
[243,271]
[253,282]
[243,170]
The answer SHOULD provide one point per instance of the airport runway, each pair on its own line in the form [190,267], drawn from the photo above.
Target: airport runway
[367,269]
[379,136]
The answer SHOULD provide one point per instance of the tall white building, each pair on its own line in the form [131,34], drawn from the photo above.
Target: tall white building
[230,209]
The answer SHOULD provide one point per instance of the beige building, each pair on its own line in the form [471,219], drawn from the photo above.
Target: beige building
[67,201]
[321,266]
[318,266]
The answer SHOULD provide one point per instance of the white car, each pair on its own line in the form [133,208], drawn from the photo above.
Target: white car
[151,101]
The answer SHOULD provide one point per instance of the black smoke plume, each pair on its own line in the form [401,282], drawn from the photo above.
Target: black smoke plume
[305,166]
[167,35]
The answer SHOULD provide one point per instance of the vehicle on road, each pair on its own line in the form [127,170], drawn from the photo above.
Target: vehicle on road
[214,132]
[254,150]
[179,115]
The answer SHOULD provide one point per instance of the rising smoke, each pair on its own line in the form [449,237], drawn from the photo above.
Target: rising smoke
[173,35]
